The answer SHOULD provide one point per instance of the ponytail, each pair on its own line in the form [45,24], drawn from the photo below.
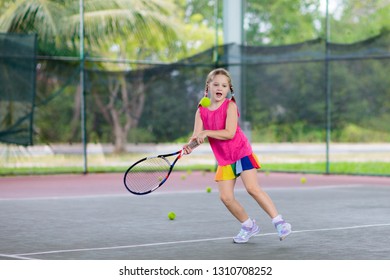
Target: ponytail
[232,93]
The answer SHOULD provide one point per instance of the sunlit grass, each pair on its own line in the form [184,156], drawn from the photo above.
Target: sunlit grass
[362,168]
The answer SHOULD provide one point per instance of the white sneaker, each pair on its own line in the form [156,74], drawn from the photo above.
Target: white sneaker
[246,233]
[283,228]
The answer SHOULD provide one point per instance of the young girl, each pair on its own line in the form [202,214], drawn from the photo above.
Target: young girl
[233,152]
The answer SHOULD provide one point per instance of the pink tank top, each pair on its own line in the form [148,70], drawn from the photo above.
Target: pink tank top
[225,151]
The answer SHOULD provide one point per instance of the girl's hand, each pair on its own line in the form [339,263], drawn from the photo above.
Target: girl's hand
[186,148]
[201,137]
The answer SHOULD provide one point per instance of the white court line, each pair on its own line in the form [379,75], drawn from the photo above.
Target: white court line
[16,257]
[186,241]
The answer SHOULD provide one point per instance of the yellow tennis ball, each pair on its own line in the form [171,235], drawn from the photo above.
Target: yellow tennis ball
[171,215]
[208,189]
[303,180]
[205,102]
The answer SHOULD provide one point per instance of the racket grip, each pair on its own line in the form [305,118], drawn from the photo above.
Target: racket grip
[193,144]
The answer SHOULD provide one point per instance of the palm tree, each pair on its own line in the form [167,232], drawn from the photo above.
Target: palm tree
[52,20]
[145,23]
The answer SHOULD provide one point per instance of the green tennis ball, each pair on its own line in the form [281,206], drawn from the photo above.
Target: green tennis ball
[205,102]
[303,180]
[171,215]
[208,189]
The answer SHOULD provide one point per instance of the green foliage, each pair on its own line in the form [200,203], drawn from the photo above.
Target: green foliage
[353,134]
[141,135]
[281,22]
[297,132]
[356,20]
[57,23]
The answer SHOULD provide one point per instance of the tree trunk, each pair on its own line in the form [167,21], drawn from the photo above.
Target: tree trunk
[123,109]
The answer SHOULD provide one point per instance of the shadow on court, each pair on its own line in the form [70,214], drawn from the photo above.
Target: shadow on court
[93,217]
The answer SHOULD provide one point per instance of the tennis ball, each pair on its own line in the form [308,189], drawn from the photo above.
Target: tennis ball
[171,215]
[205,102]
[303,180]
[183,177]
[208,189]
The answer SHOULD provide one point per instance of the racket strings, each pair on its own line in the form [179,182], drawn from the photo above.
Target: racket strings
[147,174]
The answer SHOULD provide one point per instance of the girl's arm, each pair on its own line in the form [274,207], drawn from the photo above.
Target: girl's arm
[198,127]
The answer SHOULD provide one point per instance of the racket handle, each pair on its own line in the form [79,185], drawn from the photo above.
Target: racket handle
[193,144]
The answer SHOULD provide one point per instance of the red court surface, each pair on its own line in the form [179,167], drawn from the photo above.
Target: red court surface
[112,183]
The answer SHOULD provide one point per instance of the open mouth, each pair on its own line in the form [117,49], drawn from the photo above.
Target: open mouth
[218,94]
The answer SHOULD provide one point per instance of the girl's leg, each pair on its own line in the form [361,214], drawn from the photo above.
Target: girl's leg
[226,194]
[249,178]
[248,226]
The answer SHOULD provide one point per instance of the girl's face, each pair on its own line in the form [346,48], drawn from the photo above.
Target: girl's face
[219,87]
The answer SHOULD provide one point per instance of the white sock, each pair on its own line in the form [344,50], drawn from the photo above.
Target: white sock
[248,223]
[277,219]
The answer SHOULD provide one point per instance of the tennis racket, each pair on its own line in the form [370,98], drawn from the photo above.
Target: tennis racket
[150,173]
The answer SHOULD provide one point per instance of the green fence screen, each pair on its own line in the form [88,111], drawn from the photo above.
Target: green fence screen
[17,87]
[299,93]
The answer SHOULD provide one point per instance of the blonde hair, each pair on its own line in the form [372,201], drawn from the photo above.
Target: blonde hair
[215,72]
